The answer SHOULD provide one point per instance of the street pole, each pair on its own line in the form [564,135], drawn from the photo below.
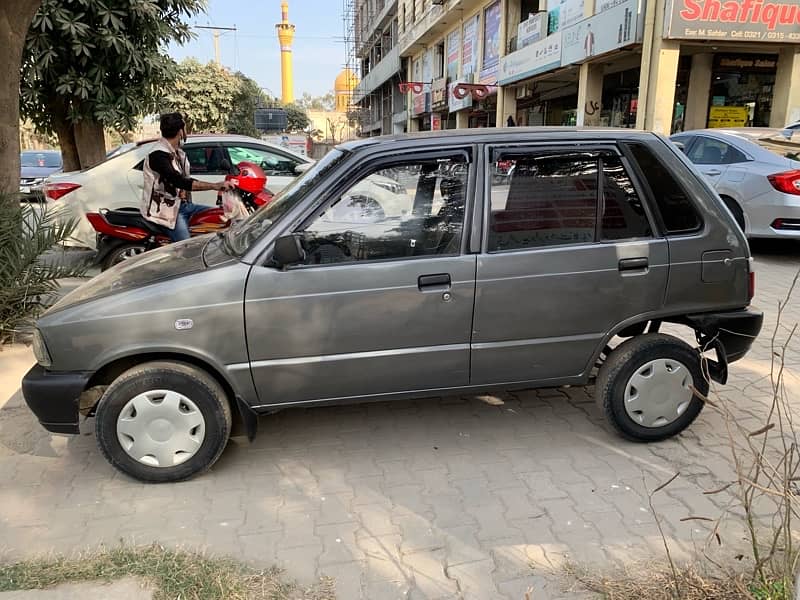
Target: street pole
[217,32]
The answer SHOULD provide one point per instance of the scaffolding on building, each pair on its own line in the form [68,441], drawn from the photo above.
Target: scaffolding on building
[352,39]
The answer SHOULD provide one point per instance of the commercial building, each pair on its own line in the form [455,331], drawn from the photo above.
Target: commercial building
[663,65]
[382,107]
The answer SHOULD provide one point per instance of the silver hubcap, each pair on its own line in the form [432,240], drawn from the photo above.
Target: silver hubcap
[161,428]
[658,392]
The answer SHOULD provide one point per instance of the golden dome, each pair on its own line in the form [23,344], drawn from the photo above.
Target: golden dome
[346,81]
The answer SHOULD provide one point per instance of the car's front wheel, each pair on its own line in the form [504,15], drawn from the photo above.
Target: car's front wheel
[646,387]
[163,421]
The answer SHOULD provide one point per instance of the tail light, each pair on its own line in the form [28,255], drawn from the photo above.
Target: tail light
[787,182]
[751,280]
[54,191]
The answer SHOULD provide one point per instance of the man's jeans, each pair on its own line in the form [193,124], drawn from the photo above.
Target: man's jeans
[181,231]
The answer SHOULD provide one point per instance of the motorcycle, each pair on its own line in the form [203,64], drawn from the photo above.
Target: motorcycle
[125,233]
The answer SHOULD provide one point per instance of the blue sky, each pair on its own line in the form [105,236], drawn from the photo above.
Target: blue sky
[319,53]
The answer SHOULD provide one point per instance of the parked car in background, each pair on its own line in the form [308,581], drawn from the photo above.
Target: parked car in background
[35,167]
[756,171]
[561,274]
[117,182]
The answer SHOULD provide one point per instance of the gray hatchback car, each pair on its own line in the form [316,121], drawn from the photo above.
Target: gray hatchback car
[406,267]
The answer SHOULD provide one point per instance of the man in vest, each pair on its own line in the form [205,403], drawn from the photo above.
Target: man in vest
[166,199]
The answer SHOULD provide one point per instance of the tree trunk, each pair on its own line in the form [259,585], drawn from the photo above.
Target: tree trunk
[15,19]
[69,149]
[90,139]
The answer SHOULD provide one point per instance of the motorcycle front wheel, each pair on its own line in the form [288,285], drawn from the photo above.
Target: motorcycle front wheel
[122,253]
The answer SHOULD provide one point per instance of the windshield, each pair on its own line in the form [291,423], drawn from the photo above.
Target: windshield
[40,159]
[242,236]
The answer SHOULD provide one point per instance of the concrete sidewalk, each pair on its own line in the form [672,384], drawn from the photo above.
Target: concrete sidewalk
[127,589]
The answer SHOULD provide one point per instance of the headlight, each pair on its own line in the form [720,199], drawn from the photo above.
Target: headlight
[40,349]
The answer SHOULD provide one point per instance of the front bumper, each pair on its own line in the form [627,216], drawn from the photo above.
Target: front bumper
[53,397]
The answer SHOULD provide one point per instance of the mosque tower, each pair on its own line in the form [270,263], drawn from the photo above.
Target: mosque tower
[286,37]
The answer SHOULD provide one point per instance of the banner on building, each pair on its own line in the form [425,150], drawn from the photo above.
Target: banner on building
[606,31]
[531,30]
[734,20]
[453,53]
[439,94]
[470,52]
[728,116]
[563,13]
[491,35]
[539,57]
[454,103]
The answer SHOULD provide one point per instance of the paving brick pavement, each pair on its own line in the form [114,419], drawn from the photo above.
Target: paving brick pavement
[441,498]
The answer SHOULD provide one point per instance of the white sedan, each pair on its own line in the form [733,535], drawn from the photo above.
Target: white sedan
[118,182]
[755,171]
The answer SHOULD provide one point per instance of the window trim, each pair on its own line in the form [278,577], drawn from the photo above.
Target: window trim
[372,165]
[650,196]
[494,151]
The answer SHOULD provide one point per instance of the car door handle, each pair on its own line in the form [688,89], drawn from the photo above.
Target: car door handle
[713,172]
[437,282]
[633,264]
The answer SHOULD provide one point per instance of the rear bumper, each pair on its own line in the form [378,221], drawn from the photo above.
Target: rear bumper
[734,330]
[53,397]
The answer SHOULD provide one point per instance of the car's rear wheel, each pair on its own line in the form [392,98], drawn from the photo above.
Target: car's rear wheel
[646,387]
[163,421]
[122,253]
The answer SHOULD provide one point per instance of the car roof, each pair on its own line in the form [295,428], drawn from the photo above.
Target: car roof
[500,135]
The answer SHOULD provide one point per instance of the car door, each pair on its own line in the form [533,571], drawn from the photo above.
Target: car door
[383,303]
[568,254]
[280,168]
[712,157]
[207,163]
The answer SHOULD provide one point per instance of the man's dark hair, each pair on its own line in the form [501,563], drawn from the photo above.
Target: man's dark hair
[171,124]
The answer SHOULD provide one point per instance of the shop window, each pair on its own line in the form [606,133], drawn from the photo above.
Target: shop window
[677,211]
[543,200]
[708,151]
[623,213]
[414,209]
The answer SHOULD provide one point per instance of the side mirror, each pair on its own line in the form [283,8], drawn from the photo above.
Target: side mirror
[302,168]
[289,250]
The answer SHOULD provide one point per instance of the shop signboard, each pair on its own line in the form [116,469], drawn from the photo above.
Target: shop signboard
[563,13]
[454,103]
[436,122]
[728,116]
[453,53]
[531,30]
[601,33]
[420,104]
[539,57]
[439,94]
[470,57]
[734,20]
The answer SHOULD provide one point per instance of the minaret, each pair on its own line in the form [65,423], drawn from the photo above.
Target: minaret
[286,37]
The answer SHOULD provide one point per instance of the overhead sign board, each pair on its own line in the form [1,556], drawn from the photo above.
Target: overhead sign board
[539,57]
[609,30]
[734,20]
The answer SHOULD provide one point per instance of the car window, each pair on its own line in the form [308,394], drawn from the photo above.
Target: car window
[273,163]
[205,159]
[676,209]
[413,209]
[545,199]
[708,151]
[624,216]
[51,160]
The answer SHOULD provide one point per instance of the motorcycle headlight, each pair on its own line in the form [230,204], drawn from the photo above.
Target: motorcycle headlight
[40,350]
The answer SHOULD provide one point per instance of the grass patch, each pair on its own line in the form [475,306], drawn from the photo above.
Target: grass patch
[170,573]
[656,582]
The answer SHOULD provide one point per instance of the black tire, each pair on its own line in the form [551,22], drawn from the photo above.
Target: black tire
[204,391]
[737,211]
[624,361]
[118,254]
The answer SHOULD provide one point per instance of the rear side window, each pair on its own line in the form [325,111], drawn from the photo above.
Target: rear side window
[677,211]
[623,213]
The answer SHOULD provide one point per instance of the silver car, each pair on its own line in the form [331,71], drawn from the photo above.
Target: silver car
[561,273]
[756,171]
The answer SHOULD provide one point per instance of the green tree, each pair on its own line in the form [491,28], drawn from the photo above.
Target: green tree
[249,97]
[205,93]
[90,64]
[15,18]
[297,117]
